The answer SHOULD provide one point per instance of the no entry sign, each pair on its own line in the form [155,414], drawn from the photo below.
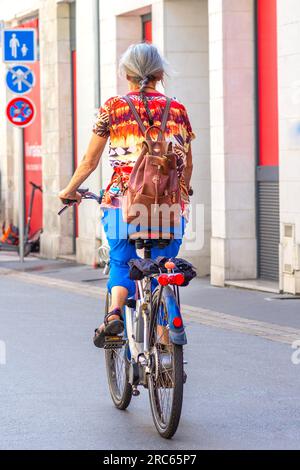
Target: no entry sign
[20,111]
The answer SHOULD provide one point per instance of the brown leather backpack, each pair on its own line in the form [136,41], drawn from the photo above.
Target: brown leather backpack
[153,195]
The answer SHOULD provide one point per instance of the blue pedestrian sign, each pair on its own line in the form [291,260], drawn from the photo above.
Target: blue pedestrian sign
[20,79]
[19,45]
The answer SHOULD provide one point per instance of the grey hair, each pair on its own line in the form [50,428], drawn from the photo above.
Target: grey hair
[142,63]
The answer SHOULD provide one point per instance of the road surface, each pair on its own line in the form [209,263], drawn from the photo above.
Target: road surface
[242,390]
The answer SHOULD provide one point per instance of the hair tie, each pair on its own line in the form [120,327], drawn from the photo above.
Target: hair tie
[143,83]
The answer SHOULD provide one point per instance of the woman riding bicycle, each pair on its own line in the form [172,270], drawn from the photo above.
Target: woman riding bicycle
[144,68]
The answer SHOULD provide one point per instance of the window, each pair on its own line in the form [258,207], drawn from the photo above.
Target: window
[147,27]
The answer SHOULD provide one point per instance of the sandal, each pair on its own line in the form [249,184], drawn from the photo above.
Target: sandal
[111,328]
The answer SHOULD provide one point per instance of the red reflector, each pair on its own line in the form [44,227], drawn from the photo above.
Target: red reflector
[163,279]
[179,279]
[173,279]
[176,279]
[170,265]
[177,322]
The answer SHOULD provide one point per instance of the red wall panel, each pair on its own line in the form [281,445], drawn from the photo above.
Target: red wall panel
[267,82]
[147,31]
[32,147]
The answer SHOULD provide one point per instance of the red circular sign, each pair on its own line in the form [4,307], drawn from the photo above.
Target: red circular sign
[20,111]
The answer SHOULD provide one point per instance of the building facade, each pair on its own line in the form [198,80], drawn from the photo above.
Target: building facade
[236,67]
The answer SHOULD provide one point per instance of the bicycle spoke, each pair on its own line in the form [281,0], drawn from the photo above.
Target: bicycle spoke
[119,369]
[165,381]
[117,372]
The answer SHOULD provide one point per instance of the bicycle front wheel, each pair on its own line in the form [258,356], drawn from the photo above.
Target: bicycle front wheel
[165,382]
[117,369]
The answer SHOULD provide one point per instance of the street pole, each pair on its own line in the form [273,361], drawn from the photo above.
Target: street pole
[20,153]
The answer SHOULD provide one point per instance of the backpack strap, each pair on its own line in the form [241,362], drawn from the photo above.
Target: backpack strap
[139,120]
[164,118]
[135,113]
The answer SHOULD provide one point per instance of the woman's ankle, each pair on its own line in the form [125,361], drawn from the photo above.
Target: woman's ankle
[116,308]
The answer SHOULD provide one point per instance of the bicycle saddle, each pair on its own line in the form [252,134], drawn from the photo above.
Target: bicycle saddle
[145,239]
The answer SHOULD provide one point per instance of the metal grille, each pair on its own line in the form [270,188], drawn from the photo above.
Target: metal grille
[268,230]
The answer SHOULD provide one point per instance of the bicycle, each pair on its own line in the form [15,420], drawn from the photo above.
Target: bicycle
[150,351]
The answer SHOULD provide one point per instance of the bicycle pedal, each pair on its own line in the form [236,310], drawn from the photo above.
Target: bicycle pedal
[114,342]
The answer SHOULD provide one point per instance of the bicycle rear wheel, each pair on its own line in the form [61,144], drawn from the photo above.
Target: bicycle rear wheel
[117,369]
[165,382]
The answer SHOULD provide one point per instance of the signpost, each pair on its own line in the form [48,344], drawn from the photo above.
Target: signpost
[19,48]
[20,153]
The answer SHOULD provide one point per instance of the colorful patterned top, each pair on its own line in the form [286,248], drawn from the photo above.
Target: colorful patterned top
[116,121]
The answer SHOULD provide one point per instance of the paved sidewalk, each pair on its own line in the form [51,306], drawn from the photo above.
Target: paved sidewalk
[251,305]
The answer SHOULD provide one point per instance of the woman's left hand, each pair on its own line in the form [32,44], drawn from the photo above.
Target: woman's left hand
[75,196]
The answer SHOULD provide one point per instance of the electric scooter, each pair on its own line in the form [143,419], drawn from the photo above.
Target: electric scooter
[32,243]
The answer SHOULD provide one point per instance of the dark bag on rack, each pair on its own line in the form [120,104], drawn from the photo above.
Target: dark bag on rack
[139,268]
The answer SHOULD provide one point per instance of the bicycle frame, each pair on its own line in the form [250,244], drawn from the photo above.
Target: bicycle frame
[137,321]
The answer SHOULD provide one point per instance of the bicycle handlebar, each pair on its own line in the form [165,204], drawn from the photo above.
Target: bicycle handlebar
[85,194]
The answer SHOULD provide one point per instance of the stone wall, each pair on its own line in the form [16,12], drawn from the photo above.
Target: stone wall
[288,14]
[232,115]
[185,46]
[87,105]
[56,112]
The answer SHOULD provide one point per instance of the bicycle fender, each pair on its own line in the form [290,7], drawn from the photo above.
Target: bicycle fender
[177,335]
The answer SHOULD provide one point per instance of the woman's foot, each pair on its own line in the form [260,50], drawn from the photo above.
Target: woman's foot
[113,325]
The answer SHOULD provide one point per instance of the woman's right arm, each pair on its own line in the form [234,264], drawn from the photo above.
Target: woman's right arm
[87,165]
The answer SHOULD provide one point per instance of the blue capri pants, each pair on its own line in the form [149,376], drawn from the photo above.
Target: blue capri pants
[121,250]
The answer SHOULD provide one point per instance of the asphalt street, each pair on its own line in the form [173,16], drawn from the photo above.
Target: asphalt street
[242,391]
